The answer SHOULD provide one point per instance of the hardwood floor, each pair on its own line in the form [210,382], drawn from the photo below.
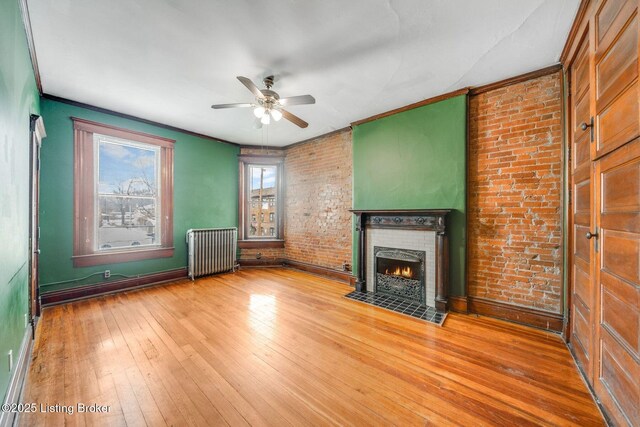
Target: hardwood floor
[278,347]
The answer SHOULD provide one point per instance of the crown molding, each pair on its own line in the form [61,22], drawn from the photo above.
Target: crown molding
[26,21]
[137,119]
[516,79]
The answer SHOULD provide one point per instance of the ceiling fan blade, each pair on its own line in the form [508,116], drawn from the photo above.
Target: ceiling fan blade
[297,100]
[294,119]
[252,87]
[218,106]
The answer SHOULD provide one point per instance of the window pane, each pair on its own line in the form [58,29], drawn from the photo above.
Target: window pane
[126,222]
[262,201]
[126,169]
[127,198]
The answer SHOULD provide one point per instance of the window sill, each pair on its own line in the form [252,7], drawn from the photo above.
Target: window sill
[258,244]
[121,256]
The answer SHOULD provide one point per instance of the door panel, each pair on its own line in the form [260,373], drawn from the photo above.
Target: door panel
[582,115]
[582,285]
[623,189]
[616,75]
[606,17]
[581,334]
[618,122]
[581,76]
[619,296]
[582,197]
[617,380]
[618,371]
[621,254]
[617,68]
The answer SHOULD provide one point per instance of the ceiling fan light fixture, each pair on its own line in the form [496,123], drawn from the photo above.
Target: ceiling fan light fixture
[276,114]
[259,112]
[268,105]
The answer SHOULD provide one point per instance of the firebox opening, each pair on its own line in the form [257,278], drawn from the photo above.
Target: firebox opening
[399,273]
[398,268]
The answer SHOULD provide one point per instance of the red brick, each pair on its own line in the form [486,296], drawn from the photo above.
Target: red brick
[514,213]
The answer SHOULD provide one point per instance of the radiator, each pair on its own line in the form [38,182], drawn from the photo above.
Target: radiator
[211,250]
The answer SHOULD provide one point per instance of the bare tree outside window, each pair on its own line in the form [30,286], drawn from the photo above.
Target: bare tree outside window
[127,190]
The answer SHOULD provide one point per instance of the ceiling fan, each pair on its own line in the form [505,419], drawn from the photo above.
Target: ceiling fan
[269,105]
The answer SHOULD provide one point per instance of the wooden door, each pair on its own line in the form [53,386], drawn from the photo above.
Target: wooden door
[582,296]
[37,134]
[617,183]
[617,376]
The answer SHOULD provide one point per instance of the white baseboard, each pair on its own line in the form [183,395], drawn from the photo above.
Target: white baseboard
[8,419]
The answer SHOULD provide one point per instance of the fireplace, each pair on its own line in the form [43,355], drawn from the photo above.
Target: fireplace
[400,273]
[403,254]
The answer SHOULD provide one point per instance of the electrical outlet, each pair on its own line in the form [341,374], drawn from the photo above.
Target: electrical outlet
[10,355]
[107,274]
[26,320]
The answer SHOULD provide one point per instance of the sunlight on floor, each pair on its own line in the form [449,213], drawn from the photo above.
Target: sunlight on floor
[262,313]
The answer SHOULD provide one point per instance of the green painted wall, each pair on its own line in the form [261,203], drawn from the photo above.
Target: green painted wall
[205,195]
[18,99]
[416,160]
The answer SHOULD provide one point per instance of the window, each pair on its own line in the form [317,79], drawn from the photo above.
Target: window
[262,192]
[123,187]
[261,204]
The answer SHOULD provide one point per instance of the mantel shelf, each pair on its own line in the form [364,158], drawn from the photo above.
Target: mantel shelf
[401,211]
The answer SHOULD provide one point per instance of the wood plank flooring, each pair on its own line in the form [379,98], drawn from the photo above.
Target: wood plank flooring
[282,347]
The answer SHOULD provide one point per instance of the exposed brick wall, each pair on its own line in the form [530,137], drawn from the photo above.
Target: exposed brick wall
[318,181]
[514,206]
[317,199]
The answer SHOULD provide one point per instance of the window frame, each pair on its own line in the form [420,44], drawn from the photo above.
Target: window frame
[85,253]
[244,208]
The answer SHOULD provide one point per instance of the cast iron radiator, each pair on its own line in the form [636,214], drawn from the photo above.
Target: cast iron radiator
[211,250]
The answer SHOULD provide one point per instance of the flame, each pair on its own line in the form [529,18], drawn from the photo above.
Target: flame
[404,272]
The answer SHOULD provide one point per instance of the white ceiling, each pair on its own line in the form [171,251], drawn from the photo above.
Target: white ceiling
[169,60]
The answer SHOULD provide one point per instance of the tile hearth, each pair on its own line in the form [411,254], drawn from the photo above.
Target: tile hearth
[399,305]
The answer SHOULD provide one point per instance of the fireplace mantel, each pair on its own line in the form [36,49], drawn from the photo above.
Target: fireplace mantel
[414,219]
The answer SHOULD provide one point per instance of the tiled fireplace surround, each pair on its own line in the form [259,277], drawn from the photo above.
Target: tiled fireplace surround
[420,230]
[418,240]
